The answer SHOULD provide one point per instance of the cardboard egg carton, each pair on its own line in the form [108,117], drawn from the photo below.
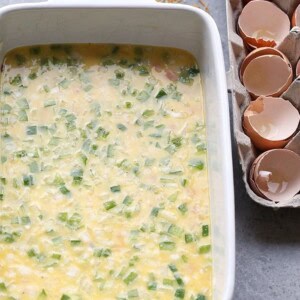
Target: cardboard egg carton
[241,98]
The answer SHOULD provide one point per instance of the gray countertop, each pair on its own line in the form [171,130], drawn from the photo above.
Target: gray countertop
[267,241]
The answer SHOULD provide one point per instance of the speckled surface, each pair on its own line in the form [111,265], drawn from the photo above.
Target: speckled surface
[267,241]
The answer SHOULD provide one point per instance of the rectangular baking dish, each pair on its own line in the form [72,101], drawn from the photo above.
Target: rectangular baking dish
[150,23]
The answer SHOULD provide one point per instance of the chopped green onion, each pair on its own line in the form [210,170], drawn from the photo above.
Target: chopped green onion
[56,256]
[172,268]
[128,105]
[200,297]
[3,287]
[65,297]
[75,242]
[102,133]
[167,245]
[102,252]
[205,230]
[133,294]
[17,80]
[109,205]
[204,249]
[175,230]
[32,76]
[127,201]
[64,190]
[23,103]
[188,238]
[143,70]
[177,141]
[143,96]
[169,282]
[152,286]
[49,102]
[155,211]
[161,94]
[130,278]
[115,188]
[183,208]
[27,180]
[22,116]
[180,293]
[31,130]
[148,113]
[25,220]
[121,127]
[196,163]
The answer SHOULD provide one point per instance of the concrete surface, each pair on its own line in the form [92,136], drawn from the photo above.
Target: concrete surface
[267,241]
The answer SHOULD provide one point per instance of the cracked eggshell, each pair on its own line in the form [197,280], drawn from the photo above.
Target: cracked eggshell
[277,174]
[270,122]
[296,17]
[266,72]
[263,24]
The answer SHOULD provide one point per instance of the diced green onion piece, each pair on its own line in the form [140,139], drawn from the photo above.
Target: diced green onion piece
[17,80]
[75,242]
[152,286]
[3,287]
[31,130]
[200,297]
[205,230]
[188,238]
[143,96]
[27,180]
[183,208]
[155,211]
[102,252]
[32,76]
[173,268]
[175,230]
[121,127]
[133,294]
[130,278]
[56,256]
[127,201]
[180,293]
[128,105]
[65,297]
[148,113]
[23,103]
[25,220]
[49,102]
[64,190]
[204,249]
[169,282]
[167,245]
[196,164]
[161,94]
[22,116]
[109,205]
[115,188]
[177,141]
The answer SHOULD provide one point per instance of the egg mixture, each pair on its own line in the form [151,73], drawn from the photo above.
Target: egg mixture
[104,188]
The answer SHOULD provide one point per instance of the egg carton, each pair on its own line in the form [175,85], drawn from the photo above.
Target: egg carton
[241,98]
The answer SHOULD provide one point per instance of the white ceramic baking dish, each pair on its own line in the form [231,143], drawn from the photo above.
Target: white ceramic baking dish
[150,23]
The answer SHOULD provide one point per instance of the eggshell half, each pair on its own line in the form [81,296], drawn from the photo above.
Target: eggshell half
[296,17]
[270,122]
[267,72]
[262,24]
[267,75]
[277,174]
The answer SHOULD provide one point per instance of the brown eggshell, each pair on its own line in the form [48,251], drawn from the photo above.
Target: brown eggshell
[251,179]
[263,24]
[270,122]
[298,68]
[296,17]
[260,52]
[277,174]
[266,71]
